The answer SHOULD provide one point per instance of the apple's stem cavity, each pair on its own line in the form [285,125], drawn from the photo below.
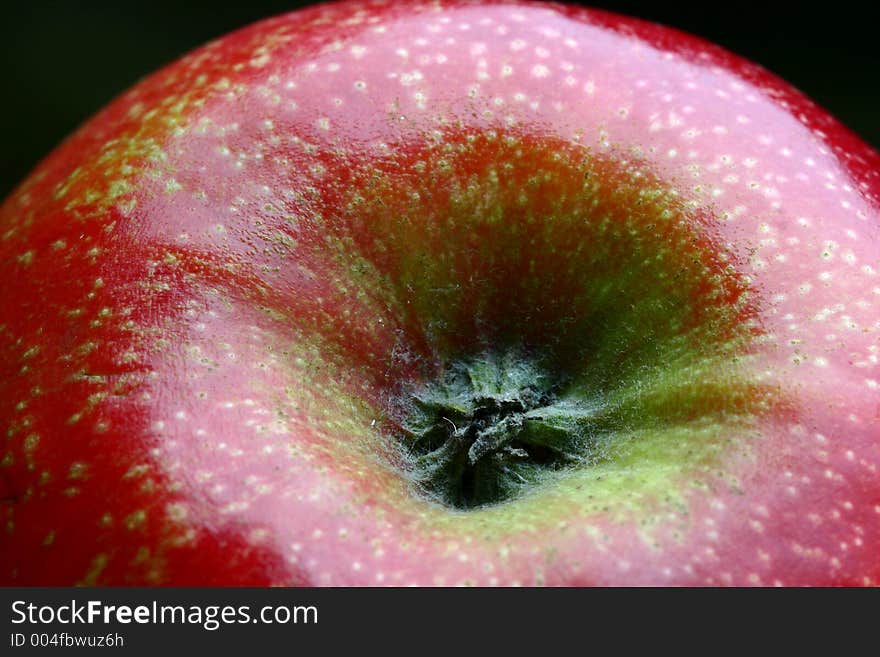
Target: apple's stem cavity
[493,426]
[571,314]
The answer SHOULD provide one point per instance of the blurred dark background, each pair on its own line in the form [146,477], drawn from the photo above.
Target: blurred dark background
[63,60]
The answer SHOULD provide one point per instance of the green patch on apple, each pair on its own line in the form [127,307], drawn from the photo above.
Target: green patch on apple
[560,318]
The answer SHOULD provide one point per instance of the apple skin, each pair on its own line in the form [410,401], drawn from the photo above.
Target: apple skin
[217,288]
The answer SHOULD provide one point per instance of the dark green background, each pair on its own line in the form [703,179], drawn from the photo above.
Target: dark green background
[63,60]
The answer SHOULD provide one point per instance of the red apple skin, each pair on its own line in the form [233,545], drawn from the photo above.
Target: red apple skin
[189,365]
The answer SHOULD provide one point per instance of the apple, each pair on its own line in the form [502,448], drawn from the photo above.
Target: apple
[444,293]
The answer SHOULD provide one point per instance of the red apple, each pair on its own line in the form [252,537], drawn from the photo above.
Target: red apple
[442,293]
